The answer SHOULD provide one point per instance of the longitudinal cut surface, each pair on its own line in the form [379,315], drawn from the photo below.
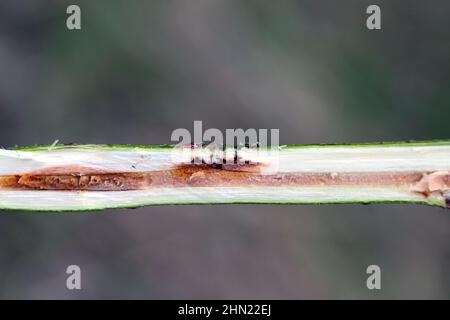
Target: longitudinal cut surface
[90,177]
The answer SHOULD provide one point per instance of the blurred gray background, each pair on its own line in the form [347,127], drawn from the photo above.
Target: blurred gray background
[140,69]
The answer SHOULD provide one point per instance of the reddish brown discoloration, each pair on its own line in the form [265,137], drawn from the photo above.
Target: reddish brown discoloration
[196,175]
[9,181]
[435,181]
[200,175]
[99,182]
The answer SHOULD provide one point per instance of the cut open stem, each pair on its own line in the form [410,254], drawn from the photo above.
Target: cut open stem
[94,177]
